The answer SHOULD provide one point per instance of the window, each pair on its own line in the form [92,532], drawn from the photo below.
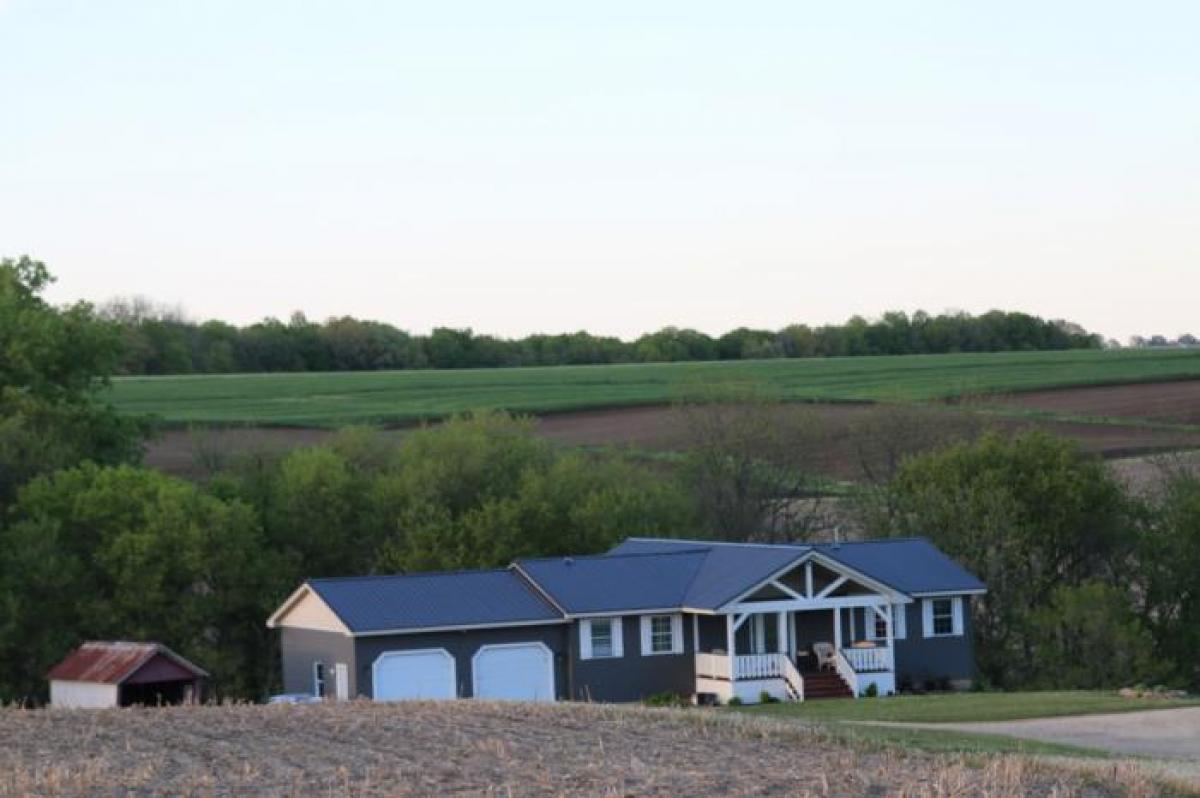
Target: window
[661,641]
[764,632]
[600,638]
[876,626]
[662,634]
[943,616]
[319,679]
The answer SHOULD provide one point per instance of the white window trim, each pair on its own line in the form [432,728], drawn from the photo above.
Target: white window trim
[676,635]
[956,616]
[899,623]
[585,639]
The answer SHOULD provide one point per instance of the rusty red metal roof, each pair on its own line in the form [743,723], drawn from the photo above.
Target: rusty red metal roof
[111,662]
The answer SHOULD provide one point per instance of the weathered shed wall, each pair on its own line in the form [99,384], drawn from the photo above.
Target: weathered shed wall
[82,695]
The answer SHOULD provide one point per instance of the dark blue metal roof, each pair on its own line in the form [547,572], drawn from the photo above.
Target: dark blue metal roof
[729,570]
[638,574]
[617,582]
[423,601]
[910,565]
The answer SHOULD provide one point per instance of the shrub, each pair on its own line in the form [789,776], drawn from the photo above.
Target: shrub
[766,698]
[872,690]
[734,702]
[666,699]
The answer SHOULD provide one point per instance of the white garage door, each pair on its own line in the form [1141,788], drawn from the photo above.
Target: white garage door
[514,672]
[427,673]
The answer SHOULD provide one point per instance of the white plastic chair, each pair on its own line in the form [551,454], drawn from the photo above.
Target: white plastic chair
[826,655]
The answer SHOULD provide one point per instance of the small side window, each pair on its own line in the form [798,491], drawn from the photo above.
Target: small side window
[602,638]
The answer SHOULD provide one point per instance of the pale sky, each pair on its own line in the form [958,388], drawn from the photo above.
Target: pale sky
[618,166]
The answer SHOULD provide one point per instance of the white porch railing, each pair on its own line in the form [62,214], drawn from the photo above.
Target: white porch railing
[847,672]
[751,666]
[793,678]
[864,660]
[758,666]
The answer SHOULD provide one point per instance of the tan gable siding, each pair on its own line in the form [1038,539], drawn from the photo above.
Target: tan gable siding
[308,611]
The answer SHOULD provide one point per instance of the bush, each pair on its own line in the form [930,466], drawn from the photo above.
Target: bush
[1090,637]
[666,699]
[872,690]
[734,702]
[766,698]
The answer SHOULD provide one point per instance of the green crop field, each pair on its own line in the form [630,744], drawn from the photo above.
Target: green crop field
[330,399]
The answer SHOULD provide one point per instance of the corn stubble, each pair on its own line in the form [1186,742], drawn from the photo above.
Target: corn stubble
[361,749]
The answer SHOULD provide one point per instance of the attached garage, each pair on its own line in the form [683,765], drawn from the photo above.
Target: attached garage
[419,674]
[513,672]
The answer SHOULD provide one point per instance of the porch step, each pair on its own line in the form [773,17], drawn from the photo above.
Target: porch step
[825,685]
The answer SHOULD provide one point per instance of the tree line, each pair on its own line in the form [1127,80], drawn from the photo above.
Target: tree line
[1090,585]
[162,341]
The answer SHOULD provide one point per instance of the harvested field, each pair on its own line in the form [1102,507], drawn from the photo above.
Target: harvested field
[1169,402]
[183,452]
[476,748]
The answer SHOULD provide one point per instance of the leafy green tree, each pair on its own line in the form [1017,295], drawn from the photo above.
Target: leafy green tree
[1028,515]
[1166,580]
[53,363]
[1088,636]
[483,490]
[120,552]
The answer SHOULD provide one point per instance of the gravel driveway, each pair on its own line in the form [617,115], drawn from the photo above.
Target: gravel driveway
[1173,733]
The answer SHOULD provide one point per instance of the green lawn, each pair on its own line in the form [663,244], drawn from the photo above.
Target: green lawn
[331,399]
[966,707]
[953,742]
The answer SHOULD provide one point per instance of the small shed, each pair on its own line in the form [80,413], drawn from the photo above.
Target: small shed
[120,674]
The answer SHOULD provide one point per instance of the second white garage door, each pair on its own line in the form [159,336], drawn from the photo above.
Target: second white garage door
[427,673]
[514,672]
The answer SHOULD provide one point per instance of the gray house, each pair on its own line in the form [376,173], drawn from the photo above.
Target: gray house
[703,619]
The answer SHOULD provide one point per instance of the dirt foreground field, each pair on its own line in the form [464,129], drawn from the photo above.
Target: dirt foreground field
[477,748]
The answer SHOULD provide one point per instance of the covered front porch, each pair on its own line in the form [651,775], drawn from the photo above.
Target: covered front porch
[815,631]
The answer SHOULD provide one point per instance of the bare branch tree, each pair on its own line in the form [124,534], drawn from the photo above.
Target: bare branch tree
[749,461]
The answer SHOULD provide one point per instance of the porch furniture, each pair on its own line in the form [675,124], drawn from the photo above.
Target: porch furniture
[826,655]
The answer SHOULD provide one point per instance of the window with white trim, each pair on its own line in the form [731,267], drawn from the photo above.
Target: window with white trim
[943,616]
[319,686]
[661,641]
[600,638]
[662,634]
[876,626]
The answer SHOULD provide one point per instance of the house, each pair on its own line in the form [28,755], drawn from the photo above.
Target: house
[704,619]
[120,674]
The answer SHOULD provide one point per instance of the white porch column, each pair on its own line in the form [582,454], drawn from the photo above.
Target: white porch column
[729,638]
[781,632]
[837,628]
[891,637]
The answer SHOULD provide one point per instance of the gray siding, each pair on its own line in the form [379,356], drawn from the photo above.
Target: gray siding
[633,676]
[462,645]
[920,659]
[300,648]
